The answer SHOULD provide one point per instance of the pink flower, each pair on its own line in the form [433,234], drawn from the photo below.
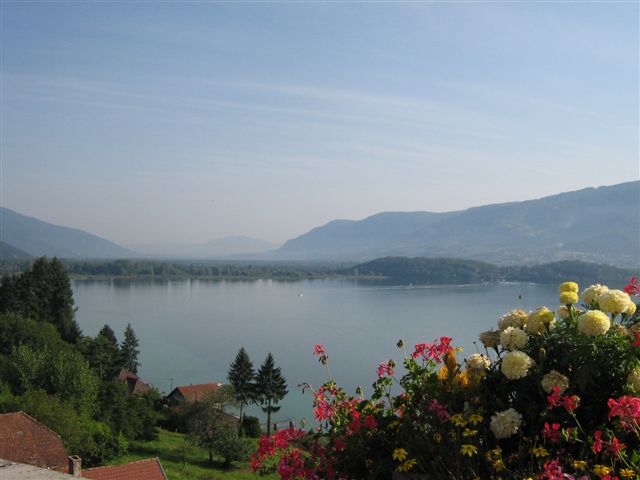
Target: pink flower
[439,410]
[386,368]
[432,351]
[318,349]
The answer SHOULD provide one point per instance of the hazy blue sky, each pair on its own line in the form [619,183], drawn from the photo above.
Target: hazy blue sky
[161,122]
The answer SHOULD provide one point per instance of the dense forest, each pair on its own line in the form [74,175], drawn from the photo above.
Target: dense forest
[391,270]
[126,268]
[62,378]
[440,271]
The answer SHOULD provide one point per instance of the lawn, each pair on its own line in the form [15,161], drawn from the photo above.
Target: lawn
[182,460]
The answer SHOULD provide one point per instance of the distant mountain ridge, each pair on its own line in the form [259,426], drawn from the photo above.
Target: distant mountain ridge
[599,225]
[8,252]
[37,238]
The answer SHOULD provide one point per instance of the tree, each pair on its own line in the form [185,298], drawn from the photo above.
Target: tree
[129,349]
[240,376]
[109,334]
[208,418]
[43,293]
[270,388]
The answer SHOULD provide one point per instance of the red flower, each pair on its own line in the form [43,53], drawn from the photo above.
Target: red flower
[597,444]
[554,399]
[318,349]
[570,402]
[552,432]
[370,422]
[615,446]
[634,287]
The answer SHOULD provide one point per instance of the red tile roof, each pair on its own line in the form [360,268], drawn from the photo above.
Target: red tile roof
[25,440]
[194,393]
[136,385]
[149,469]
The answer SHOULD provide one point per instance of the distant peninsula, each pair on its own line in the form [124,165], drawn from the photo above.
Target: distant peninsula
[387,270]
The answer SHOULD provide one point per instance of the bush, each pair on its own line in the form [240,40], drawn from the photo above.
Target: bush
[228,446]
[554,396]
[251,427]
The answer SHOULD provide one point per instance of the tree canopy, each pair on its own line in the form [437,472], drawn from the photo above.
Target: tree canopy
[270,388]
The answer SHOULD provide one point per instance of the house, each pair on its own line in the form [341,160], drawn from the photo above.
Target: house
[191,393]
[149,469]
[10,470]
[136,385]
[25,440]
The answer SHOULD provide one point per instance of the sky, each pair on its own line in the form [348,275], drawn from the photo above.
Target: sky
[161,122]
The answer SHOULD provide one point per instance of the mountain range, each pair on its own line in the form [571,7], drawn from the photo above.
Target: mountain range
[37,238]
[599,225]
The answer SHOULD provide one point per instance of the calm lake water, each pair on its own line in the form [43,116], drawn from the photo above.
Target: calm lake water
[190,330]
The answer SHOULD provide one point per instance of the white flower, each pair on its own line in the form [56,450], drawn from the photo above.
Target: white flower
[477,362]
[513,338]
[490,338]
[506,423]
[592,293]
[516,365]
[514,318]
[614,301]
[554,379]
[594,322]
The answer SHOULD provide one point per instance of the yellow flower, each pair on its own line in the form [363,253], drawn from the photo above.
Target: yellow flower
[408,465]
[443,373]
[458,420]
[579,465]
[594,323]
[399,454]
[540,452]
[568,298]
[470,450]
[614,301]
[498,465]
[568,287]
[601,470]
[469,433]
[475,419]
[437,437]
[627,473]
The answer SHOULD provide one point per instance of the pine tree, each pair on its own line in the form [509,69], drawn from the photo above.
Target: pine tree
[270,388]
[129,349]
[109,334]
[240,376]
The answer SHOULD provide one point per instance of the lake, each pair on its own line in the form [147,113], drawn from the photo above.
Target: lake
[191,330]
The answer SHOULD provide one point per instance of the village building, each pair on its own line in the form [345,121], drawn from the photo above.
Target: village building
[25,440]
[136,385]
[10,470]
[191,393]
[149,469]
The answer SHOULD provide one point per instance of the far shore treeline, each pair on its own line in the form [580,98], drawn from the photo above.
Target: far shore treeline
[387,270]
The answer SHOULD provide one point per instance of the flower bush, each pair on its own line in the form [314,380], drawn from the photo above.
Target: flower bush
[555,395]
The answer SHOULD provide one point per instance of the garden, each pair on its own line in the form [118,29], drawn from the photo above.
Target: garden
[552,394]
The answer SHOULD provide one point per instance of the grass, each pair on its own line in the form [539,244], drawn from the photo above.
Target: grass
[182,460]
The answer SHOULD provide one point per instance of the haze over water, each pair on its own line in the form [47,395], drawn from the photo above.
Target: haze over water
[190,330]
